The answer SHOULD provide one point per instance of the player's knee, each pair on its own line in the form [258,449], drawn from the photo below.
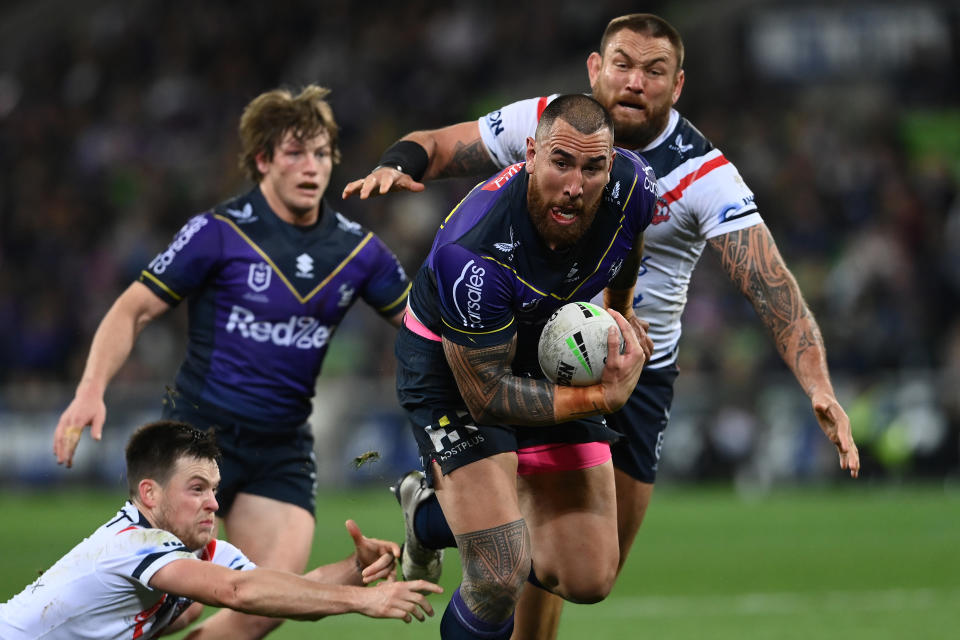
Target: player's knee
[583,584]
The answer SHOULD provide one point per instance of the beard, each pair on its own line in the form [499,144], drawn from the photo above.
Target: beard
[556,235]
[633,134]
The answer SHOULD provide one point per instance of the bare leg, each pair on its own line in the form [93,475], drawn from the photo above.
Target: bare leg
[273,534]
[633,498]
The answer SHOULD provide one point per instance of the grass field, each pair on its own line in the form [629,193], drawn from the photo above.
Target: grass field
[857,563]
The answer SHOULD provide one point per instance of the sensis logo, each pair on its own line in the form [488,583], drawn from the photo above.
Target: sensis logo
[301,332]
[468,289]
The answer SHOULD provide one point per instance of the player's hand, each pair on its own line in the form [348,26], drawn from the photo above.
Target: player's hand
[621,372]
[640,328]
[404,600]
[86,409]
[836,426]
[380,181]
[376,557]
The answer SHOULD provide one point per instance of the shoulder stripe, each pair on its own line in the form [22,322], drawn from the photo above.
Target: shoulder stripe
[153,557]
[157,282]
[541,105]
[674,194]
[630,193]
[283,278]
[133,526]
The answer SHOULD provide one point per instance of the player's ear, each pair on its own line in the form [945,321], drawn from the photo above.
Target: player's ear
[678,87]
[149,492]
[531,153]
[263,162]
[594,62]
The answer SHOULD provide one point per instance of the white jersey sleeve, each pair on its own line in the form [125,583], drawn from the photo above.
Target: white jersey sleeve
[505,131]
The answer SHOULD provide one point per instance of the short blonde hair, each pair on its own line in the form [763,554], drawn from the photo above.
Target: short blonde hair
[269,116]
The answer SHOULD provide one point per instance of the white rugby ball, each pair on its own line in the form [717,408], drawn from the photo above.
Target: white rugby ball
[573,345]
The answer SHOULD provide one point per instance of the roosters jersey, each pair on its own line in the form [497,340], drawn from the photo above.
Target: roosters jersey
[101,588]
[265,299]
[489,275]
[701,196]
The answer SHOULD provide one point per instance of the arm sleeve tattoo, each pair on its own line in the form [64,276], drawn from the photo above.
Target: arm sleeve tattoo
[469,159]
[492,392]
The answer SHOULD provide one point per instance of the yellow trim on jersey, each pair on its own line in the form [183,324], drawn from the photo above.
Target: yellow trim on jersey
[279,273]
[402,297]
[477,333]
[636,177]
[551,294]
[161,285]
[454,210]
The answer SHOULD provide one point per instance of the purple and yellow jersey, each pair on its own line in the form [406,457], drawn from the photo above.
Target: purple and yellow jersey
[265,298]
[489,275]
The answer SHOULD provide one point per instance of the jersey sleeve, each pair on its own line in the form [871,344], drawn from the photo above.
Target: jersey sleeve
[720,199]
[139,553]
[475,298]
[505,131]
[388,285]
[184,266]
[226,555]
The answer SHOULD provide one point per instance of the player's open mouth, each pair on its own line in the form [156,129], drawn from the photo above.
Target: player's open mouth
[563,216]
[308,186]
[631,106]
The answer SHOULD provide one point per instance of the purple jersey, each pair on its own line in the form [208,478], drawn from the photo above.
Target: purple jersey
[265,299]
[489,275]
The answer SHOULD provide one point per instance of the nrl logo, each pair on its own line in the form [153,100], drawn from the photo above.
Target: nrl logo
[259,277]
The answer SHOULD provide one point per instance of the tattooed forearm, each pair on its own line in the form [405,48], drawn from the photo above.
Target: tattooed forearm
[467,160]
[492,392]
[495,563]
[751,259]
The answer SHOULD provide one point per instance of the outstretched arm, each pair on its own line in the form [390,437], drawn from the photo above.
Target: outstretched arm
[450,152]
[751,260]
[283,595]
[494,394]
[112,344]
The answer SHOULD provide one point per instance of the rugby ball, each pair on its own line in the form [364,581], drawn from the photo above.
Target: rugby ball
[573,345]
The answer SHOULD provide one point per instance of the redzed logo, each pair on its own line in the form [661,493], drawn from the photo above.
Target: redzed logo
[503,177]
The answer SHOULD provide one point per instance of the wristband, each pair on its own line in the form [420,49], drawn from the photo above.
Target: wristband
[406,156]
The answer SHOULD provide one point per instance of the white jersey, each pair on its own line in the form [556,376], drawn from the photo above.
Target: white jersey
[101,589]
[701,196]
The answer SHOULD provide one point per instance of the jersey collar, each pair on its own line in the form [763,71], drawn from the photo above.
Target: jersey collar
[660,139]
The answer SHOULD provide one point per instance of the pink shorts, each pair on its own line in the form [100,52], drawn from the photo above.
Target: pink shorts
[545,458]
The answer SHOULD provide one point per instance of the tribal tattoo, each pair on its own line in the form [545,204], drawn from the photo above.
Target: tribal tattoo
[495,563]
[751,259]
[467,160]
[492,392]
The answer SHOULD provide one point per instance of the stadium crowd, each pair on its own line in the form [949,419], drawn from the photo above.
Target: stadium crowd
[117,121]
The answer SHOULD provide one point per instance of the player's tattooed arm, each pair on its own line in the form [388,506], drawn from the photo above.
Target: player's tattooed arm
[455,151]
[752,261]
[491,391]
[495,568]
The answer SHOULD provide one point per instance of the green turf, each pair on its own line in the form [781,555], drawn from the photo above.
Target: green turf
[853,563]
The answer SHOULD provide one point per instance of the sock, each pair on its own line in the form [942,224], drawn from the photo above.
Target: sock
[431,526]
[459,623]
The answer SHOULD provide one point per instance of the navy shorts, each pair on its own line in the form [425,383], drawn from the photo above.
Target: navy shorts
[278,465]
[643,421]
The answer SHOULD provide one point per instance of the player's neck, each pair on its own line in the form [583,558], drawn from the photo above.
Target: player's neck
[289,215]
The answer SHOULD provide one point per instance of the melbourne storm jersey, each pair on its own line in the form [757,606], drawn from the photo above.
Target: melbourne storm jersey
[489,275]
[101,588]
[702,196]
[265,299]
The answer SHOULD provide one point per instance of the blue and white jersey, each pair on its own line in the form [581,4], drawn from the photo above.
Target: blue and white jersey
[265,298]
[702,196]
[101,588]
[489,275]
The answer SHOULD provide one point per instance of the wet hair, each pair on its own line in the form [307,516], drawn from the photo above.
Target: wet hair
[645,24]
[154,449]
[580,111]
[269,116]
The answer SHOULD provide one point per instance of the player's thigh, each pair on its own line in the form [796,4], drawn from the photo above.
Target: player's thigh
[272,533]
[572,517]
[480,495]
